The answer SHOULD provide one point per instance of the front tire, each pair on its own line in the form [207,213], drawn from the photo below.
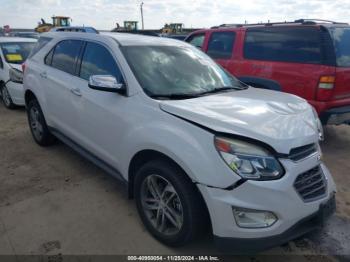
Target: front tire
[169,204]
[6,98]
[37,124]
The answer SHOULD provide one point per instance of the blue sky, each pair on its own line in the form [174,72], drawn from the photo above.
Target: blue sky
[103,14]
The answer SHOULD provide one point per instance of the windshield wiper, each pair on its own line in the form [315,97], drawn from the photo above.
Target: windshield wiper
[179,96]
[220,89]
[174,96]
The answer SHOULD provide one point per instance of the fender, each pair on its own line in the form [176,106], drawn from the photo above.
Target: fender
[261,82]
[186,144]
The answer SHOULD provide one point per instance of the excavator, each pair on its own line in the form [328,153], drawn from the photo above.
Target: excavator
[57,21]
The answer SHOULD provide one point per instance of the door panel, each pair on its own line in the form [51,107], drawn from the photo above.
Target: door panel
[61,101]
[101,114]
[60,80]
[101,122]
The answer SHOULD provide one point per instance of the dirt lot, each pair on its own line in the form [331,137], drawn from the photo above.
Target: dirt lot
[53,202]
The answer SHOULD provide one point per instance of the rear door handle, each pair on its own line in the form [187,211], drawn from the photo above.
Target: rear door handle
[43,74]
[76,91]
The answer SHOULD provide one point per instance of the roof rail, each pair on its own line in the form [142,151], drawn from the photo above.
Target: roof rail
[298,21]
[304,21]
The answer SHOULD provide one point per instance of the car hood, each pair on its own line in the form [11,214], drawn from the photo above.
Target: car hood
[280,120]
[16,66]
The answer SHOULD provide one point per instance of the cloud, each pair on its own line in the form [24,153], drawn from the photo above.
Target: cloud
[103,14]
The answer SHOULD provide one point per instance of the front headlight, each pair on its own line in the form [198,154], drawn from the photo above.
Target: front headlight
[248,160]
[16,76]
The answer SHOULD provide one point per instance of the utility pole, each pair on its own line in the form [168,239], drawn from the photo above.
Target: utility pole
[141,7]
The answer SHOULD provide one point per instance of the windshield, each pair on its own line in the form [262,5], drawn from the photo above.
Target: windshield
[341,37]
[16,53]
[172,70]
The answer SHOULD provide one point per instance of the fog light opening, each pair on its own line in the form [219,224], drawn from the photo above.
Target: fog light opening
[248,218]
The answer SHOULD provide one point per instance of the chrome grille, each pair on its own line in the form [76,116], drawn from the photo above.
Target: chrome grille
[311,185]
[302,152]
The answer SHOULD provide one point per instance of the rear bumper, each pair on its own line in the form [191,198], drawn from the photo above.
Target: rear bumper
[336,116]
[306,225]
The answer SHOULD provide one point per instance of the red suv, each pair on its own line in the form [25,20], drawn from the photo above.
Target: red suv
[307,58]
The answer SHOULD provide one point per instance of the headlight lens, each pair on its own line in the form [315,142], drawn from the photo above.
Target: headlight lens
[16,76]
[248,160]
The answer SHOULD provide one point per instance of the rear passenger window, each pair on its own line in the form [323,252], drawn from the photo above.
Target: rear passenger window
[221,45]
[300,45]
[65,55]
[196,40]
[48,58]
[97,60]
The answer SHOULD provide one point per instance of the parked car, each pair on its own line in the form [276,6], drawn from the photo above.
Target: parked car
[25,35]
[310,59]
[82,29]
[197,149]
[13,52]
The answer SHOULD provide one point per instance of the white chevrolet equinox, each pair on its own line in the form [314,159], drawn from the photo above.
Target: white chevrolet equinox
[196,148]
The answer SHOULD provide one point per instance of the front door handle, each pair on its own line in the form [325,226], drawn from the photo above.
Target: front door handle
[76,91]
[43,74]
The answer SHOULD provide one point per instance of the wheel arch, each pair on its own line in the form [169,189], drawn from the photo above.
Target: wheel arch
[29,95]
[144,156]
[141,158]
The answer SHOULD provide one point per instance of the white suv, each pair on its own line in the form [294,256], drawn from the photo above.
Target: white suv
[196,148]
[13,52]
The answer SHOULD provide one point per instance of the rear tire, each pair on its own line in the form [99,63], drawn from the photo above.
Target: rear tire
[37,124]
[6,98]
[169,204]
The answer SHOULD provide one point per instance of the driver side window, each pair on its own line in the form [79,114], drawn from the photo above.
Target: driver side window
[97,60]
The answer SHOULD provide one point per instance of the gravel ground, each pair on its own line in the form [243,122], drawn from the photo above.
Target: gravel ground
[53,202]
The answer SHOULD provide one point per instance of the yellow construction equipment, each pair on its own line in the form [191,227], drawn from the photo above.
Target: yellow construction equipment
[173,28]
[129,26]
[57,21]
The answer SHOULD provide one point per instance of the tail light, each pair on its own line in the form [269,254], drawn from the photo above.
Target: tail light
[23,67]
[325,87]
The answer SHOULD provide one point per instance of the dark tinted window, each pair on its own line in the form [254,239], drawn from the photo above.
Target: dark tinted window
[1,63]
[221,44]
[341,37]
[196,40]
[65,55]
[48,58]
[97,60]
[285,44]
[39,45]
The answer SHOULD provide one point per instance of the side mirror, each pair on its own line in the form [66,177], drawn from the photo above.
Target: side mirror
[105,83]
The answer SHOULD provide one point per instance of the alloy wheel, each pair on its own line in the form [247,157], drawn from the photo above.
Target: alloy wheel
[35,123]
[6,97]
[162,205]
